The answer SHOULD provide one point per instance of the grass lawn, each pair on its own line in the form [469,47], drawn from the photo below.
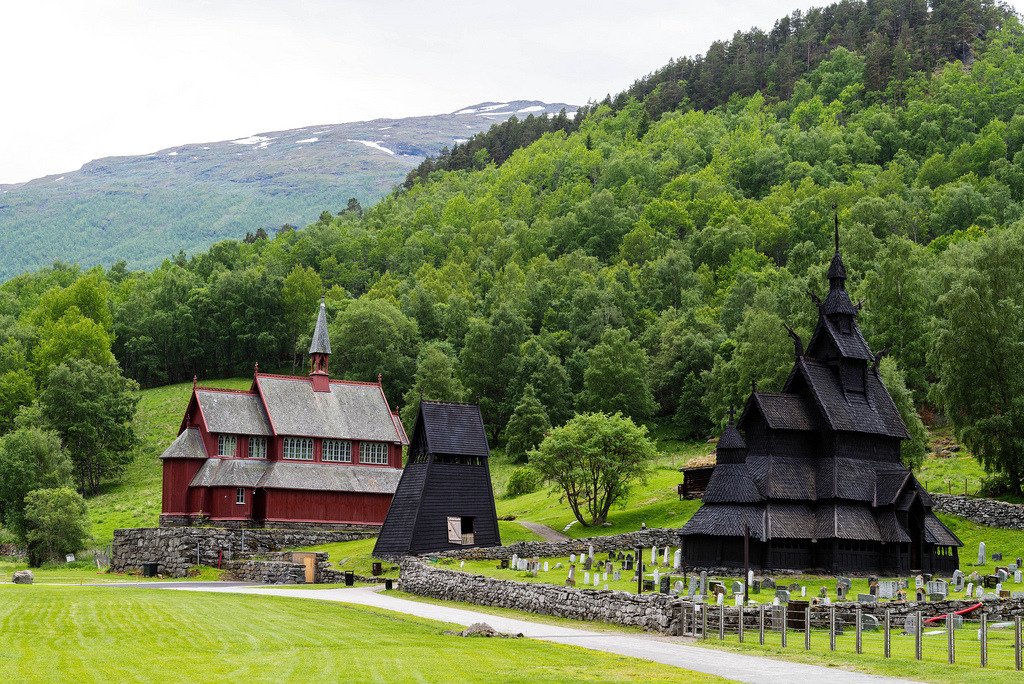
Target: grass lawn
[84,572]
[108,634]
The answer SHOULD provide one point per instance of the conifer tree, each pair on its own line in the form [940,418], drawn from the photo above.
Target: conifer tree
[527,426]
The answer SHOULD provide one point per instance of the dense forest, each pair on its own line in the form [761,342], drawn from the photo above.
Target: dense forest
[640,263]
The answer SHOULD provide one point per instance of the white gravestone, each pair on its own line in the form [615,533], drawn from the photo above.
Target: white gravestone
[586,578]
[664,557]
[677,562]
[654,555]
[981,553]
[545,566]
[1017,577]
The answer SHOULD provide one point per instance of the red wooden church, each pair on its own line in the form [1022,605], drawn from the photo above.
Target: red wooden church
[290,450]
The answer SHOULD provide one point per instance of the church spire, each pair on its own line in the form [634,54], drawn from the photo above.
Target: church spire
[320,346]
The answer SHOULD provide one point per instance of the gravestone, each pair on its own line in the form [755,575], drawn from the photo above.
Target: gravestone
[782,595]
[1017,594]
[958,580]
[737,587]
[768,583]
[504,564]
[999,588]
[657,576]
[1017,577]
[997,557]
[654,555]
[609,567]
[597,580]
[677,562]
[628,563]
[666,584]
[904,584]
[572,557]
[981,554]
[1001,575]
[588,563]
[678,587]
[920,595]
[590,552]
[887,589]
[823,592]
[664,558]
[793,587]
[1020,563]
[974,577]
[868,622]
[738,600]
[990,581]
[873,587]
[616,576]
[1012,568]
[938,588]
[703,582]
[918,582]
[755,586]
[720,600]
[841,590]
[515,561]
[910,624]
[572,574]
[586,578]
[604,576]
[867,598]
[693,589]
[979,592]
[970,589]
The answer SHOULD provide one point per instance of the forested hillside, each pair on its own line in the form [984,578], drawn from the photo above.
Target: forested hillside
[896,38]
[638,264]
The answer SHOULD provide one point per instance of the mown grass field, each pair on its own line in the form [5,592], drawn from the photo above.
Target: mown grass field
[139,635]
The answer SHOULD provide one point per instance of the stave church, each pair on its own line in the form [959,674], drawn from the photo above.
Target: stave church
[810,478]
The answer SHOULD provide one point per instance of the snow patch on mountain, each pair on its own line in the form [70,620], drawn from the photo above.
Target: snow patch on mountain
[306,140]
[252,140]
[374,144]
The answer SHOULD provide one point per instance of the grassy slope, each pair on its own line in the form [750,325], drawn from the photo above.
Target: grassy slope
[96,634]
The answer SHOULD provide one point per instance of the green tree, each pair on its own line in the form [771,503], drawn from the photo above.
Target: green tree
[978,354]
[593,461]
[615,379]
[489,364]
[527,426]
[300,292]
[30,458]
[56,523]
[371,337]
[435,379]
[92,408]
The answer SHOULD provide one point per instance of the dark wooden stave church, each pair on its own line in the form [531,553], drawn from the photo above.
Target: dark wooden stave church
[444,500]
[818,477]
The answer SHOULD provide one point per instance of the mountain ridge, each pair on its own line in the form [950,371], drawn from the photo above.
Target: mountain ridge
[144,208]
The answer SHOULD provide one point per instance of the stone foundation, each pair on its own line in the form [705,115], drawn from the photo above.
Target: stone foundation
[982,511]
[275,568]
[178,549]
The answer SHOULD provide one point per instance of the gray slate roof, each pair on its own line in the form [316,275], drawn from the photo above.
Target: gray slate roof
[349,411]
[187,445]
[330,477]
[323,477]
[230,472]
[232,412]
[453,428]
[321,343]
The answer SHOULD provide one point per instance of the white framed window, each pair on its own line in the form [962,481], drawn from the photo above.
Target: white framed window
[227,445]
[240,496]
[337,450]
[375,453]
[257,447]
[298,448]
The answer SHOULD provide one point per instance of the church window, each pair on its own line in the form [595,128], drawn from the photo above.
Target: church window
[298,448]
[374,453]
[338,451]
[257,447]
[227,445]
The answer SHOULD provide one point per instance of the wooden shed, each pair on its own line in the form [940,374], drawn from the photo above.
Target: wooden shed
[696,476]
[444,500]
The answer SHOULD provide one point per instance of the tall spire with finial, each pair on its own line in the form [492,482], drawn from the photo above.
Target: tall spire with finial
[320,350]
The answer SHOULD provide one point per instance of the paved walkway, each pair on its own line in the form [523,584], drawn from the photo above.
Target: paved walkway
[546,533]
[737,666]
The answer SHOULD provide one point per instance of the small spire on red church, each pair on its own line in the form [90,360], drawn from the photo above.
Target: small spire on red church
[195,381]
[380,377]
[256,369]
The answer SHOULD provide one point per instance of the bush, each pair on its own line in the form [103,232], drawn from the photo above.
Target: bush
[522,481]
[56,522]
[997,484]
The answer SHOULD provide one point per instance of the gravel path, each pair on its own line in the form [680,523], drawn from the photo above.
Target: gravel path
[546,533]
[736,666]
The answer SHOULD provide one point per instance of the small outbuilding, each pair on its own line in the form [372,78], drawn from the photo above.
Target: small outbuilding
[445,499]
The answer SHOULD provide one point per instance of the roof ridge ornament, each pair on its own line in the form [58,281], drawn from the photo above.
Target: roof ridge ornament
[798,343]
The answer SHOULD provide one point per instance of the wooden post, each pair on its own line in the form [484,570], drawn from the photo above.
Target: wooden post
[984,640]
[785,618]
[918,629]
[807,628]
[1018,644]
[721,622]
[832,628]
[951,638]
[859,627]
[887,635]
[760,625]
[746,564]
[704,622]
[740,624]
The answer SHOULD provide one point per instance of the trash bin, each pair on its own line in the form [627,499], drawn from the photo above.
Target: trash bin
[377,569]
[149,569]
[350,578]
[388,584]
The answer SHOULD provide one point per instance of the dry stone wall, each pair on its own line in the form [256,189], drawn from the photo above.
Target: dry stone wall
[982,511]
[655,612]
[176,550]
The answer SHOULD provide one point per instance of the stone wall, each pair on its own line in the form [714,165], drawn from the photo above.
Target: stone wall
[177,549]
[275,568]
[982,511]
[649,611]
[526,549]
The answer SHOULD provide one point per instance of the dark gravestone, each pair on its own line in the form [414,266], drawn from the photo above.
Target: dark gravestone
[504,563]
[666,584]
[991,581]
[768,583]
[997,557]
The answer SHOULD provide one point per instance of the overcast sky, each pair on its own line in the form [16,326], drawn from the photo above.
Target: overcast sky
[92,78]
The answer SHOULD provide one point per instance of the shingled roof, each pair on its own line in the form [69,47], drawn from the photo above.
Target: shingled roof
[871,413]
[731,483]
[189,444]
[230,472]
[232,412]
[324,477]
[350,410]
[453,428]
[321,343]
[784,411]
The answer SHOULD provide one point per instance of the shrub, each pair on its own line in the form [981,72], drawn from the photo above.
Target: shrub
[57,523]
[522,481]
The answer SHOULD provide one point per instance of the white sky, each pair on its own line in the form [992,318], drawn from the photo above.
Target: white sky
[91,78]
